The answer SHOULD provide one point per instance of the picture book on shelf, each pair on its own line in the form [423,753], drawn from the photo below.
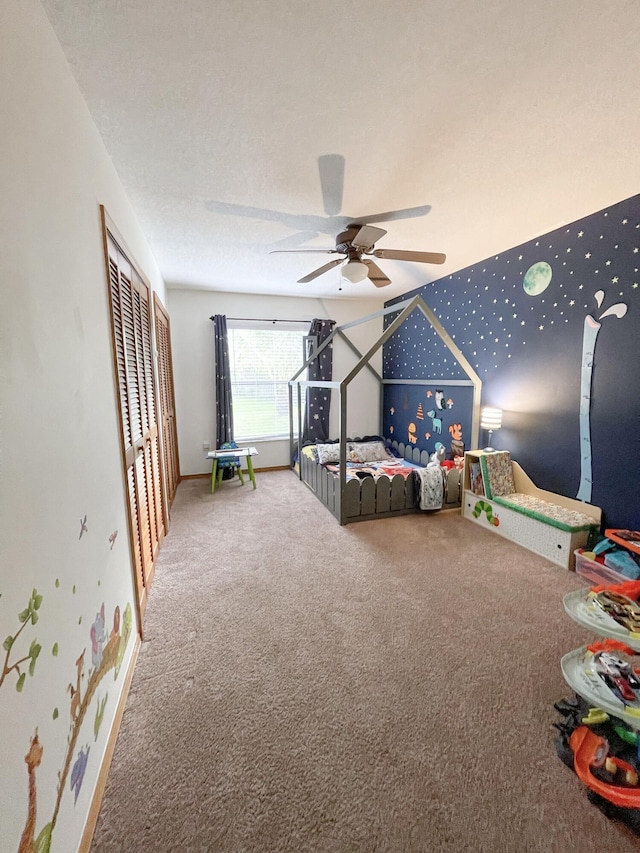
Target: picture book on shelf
[475,478]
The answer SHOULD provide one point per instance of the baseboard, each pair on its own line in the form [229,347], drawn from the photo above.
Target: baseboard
[98,794]
[256,471]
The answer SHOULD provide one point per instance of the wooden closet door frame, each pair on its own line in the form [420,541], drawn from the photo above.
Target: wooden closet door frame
[170,488]
[110,229]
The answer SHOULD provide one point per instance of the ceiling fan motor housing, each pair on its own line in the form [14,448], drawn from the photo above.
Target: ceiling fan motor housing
[345,238]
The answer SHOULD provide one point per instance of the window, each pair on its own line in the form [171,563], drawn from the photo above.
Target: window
[262,362]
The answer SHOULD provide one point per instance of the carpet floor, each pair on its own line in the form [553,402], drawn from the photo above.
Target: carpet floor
[387,686]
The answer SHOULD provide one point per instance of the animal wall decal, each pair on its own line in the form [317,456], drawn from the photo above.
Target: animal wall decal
[436,422]
[98,637]
[413,426]
[75,691]
[110,656]
[83,526]
[78,771]
[457,444]
[589,338]
[33,759]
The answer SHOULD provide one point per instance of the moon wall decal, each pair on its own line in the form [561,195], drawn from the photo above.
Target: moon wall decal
[537,278]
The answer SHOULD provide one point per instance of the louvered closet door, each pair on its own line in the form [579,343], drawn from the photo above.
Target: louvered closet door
[131,315]
[167,399]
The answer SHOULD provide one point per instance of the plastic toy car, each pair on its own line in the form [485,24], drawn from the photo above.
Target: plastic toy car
[618,675]
[624,610]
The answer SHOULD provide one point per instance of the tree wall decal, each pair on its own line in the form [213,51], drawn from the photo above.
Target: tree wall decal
[29,616]
[589,338]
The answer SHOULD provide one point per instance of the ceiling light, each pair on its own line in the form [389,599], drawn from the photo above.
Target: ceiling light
[355,271]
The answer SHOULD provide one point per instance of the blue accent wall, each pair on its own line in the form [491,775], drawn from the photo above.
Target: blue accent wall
[519,318]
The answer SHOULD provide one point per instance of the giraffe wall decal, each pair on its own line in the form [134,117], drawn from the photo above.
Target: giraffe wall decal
[33,759]
[589,338]
[76,696]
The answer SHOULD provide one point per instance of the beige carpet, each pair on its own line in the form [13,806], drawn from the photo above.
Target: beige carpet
[384,686]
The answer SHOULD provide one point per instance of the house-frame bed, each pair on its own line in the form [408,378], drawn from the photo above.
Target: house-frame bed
[361,500]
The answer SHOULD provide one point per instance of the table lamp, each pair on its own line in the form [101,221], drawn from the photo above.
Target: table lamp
[490,419]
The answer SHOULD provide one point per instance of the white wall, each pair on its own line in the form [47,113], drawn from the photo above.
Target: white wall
[194,375]
[59,440]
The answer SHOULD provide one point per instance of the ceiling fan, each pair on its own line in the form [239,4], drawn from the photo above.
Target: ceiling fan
[351,245]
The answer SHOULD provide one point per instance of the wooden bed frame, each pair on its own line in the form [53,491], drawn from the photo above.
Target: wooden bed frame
[354,500]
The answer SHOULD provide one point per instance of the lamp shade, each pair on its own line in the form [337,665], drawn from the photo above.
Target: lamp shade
[490,418]
[355,271]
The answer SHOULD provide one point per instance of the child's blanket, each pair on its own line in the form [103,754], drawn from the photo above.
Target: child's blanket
[431,489]
[384,468]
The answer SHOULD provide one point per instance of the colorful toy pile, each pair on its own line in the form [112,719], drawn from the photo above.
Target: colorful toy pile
[598,736]
[618,551]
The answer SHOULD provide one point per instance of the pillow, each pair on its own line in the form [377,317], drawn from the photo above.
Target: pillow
[310,451]
[328,453]
[367,451]
[498,473]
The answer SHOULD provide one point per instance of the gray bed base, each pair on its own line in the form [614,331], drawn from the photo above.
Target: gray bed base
[364,500]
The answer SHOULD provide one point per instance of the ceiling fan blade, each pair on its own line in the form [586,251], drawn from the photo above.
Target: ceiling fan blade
[376,276]
[367,236]
[320,271]
[331,168]
[306,251]
[401,255]
[391,215]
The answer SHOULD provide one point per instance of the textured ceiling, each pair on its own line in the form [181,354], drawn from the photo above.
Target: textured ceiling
[503,120]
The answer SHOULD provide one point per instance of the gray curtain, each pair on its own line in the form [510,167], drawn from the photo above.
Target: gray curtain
[316,421]
[224,403]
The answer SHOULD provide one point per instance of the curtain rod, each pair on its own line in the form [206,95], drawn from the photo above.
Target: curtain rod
[265,320]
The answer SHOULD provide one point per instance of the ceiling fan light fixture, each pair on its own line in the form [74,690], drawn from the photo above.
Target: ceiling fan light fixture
[355,271]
